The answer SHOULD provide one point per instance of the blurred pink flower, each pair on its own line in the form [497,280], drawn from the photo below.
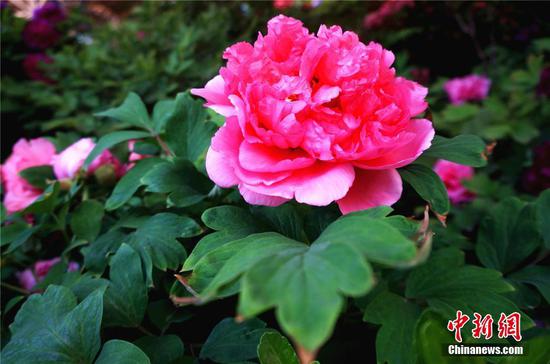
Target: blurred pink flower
[318,118]
[25,154]
[386,10]
[452,175]
[133,157]
[31,276]
[468,88]
[32,66]
[67,163]
[282,4]
[537,178]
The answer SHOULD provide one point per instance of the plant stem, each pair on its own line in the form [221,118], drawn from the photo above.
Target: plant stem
[15,288]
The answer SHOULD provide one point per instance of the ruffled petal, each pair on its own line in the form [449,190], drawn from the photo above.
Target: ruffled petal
[258,199]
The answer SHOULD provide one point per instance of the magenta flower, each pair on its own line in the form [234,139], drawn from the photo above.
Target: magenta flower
[40,34]
[67,163]
[453,175]
[32,65]
[468,88]
[316,118]
[52,12]
[30,277]
[25,154]
[543,88]
[388,8]
[537,178]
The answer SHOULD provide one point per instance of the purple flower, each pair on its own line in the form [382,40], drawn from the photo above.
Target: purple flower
[543,88]
[52,12]
[32,66]
[537,178]
[40,34]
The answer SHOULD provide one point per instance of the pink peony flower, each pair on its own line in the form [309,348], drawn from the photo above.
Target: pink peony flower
[318,118]
[67,163]
[468,88]
[452,175]
[30,277]
[32,66]
[25,154]
[386,10]
[40,34]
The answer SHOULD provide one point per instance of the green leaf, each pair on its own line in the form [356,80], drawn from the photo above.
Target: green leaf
[507,235]
[156,241]
[162,112]
[231,342]
[232,223]
[223,265]
[448,285]
[121,352]
[274,348]
[188,132]
[82,285]
[428,185]
[284,219]
[47,201]
[14,231]
[86,220]
[126,296]
[372,235]
[52,328]
[96,253]
[180,179]
[535,351]
[463,149]
[395,340]
[130,183]
[109,140]
[536,275]
[38,176]
[163,313]
[161,349]
[543,216]
[306,285]
[132,112]
[453,114]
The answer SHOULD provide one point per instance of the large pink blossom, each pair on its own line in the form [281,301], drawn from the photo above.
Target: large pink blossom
[316,118]
[468,88]
[31,276]
[453,175]
[25,154]
[67,163]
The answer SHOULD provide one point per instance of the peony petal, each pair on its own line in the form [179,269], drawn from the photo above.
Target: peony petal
[318,185]
[258,199]
[214,93]
[423,132]
[262,158]
[371,189]
[219,169]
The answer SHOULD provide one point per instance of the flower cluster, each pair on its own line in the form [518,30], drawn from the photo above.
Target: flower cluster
[39,152]
[314,117]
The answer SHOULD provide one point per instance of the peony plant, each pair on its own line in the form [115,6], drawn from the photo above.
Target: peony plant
[298,208]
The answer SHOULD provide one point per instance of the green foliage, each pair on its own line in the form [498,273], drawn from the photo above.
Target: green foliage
[307,271]
[428,185]
[53,328]
[231,342]
[274,348]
